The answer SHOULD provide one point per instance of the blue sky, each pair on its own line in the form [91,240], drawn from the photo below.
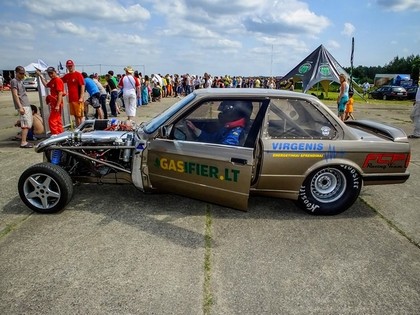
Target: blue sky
[236,37]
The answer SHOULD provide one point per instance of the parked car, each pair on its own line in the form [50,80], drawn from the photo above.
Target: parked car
[411,92]
[389,92]
[30,83]
[289,145]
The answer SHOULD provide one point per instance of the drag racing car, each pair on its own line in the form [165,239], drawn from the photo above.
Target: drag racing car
[221,146]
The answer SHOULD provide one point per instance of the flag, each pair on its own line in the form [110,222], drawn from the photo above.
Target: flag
[60,66]
[42,64]
[351,62]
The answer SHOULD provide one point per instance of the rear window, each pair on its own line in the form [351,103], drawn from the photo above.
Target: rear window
[398,89]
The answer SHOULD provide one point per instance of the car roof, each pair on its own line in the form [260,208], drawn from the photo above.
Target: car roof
[250,92]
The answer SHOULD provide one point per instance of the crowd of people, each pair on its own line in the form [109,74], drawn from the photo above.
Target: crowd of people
[134,90]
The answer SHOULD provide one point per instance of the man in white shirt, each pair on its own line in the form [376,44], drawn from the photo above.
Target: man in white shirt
[366,87]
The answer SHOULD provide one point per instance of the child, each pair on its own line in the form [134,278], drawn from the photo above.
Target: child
[349,107]
[37,130]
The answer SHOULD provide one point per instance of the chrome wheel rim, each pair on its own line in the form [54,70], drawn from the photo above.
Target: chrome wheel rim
[42,191]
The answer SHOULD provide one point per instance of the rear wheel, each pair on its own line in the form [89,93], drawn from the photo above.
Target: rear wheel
[45,188]
[330,190]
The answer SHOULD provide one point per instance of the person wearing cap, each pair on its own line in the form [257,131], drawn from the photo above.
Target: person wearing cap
[131,88]
[54,99]
[76,92]
[21,102]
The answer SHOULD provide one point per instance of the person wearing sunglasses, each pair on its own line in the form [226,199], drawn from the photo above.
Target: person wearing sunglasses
[22,105]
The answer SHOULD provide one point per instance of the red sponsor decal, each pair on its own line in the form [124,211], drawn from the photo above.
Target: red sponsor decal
[387,159]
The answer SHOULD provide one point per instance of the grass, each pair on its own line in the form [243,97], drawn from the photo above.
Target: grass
[332,99]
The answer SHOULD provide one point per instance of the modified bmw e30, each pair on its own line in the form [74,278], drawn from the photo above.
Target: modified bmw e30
[221,146]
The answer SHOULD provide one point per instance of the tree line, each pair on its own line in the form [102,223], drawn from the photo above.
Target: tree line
[409,65]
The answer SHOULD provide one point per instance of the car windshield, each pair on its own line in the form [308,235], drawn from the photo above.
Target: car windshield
[160,119]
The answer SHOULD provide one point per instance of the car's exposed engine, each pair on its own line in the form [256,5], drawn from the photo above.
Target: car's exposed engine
[90,155]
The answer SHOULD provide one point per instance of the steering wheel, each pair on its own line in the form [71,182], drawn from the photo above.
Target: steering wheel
[183,128]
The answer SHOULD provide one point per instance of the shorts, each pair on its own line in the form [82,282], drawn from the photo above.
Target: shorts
[342,104]
[94,100]
[77,109]
[26,119]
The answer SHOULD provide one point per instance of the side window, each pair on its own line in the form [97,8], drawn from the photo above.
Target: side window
[296,118]
[204,117]
[217,121]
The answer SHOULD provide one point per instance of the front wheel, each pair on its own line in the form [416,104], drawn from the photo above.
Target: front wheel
[45,188]
[330,190]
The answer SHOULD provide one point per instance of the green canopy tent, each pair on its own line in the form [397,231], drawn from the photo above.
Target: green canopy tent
[319,67]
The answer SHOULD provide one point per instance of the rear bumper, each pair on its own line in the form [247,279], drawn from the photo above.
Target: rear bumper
[381,179]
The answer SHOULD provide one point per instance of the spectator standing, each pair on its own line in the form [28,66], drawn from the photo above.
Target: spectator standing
[415,116]
[144,90]
[102,94]
[169,85]
[177,86]
[163,86]
[76,92]
[21,102]
[292,85]
[366,87]
[131,88]
[1,83]
[94,96]
[138,78]
[111,88]
[188,84]
[343,97]
[54,99]
[111,73]
[156,92]
[349,107]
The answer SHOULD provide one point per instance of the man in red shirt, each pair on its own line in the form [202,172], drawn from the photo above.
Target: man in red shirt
[76,92]
[54,100]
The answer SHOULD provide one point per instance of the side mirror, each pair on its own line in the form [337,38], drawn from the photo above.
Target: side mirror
[165,131]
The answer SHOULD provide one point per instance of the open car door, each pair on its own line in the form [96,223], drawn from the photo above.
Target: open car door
[210,172]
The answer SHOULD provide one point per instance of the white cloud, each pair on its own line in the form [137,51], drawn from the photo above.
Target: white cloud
[400,5]
[348,30]
[332,44]
[220,43]
[16,29]
[90,9]
[71,28]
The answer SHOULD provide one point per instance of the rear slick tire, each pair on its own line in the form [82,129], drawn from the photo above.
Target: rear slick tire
[330,190]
